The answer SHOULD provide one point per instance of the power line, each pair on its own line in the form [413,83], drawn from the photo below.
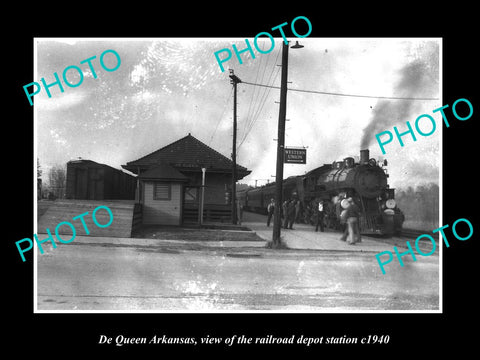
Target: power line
[253,94]
[258,100]
[266,92]
[261,103]
[342,94]
[258,111]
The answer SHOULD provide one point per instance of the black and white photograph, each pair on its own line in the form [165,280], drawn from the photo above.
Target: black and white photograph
[238,175]
[191,180]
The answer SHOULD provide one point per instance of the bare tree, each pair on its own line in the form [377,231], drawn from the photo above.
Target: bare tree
[39,180]
[57,177]
[39,170]
[420,206]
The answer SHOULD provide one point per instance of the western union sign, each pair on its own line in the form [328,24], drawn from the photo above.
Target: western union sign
[295,156]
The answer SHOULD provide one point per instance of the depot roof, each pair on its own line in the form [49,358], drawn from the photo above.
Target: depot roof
[187,154]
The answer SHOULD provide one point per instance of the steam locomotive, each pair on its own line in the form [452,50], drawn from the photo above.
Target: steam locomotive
[365,182]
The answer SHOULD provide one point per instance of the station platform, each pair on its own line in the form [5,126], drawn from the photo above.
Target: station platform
[304,237]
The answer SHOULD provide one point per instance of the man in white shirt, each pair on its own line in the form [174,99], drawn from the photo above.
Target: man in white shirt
[320,215]
[270,210]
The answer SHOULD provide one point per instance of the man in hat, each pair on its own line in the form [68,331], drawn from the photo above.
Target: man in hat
[239,211]
[341,212]
[270,211]
[290,214]
[353,215]
[284,213]
[298,206]
[320,215]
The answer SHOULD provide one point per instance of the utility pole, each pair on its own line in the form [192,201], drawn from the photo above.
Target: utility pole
[234,80]
[280,149]
[281,145]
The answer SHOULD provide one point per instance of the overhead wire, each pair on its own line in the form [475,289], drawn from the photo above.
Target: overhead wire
[343,94]
[254,99]
[250,122]
[257,114]
[267,93]
[254,111]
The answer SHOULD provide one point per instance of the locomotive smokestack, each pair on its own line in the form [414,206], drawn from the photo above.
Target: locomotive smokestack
[364,156]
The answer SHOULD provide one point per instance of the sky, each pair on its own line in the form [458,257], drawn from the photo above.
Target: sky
[165,89]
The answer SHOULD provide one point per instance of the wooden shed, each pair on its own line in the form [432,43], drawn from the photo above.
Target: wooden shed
[89,180]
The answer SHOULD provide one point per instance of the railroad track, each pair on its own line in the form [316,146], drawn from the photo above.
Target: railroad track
[412,234]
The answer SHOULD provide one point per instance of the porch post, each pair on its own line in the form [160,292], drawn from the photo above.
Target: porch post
[202,201]
[137,190]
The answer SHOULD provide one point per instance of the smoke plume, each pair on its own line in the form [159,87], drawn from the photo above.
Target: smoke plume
[417,79]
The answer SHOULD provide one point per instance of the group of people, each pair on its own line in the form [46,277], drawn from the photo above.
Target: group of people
[347,212]
[290,212]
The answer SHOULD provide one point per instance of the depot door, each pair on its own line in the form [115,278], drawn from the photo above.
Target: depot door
[190,204]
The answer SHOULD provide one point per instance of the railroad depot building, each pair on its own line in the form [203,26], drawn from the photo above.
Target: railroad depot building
[169,183]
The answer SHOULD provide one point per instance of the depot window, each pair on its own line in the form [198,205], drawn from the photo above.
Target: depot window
[161,191]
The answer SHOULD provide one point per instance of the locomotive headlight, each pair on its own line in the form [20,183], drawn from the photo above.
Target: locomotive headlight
[390,203]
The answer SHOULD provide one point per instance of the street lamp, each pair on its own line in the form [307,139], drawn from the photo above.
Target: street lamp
[297,45]
[280,145]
